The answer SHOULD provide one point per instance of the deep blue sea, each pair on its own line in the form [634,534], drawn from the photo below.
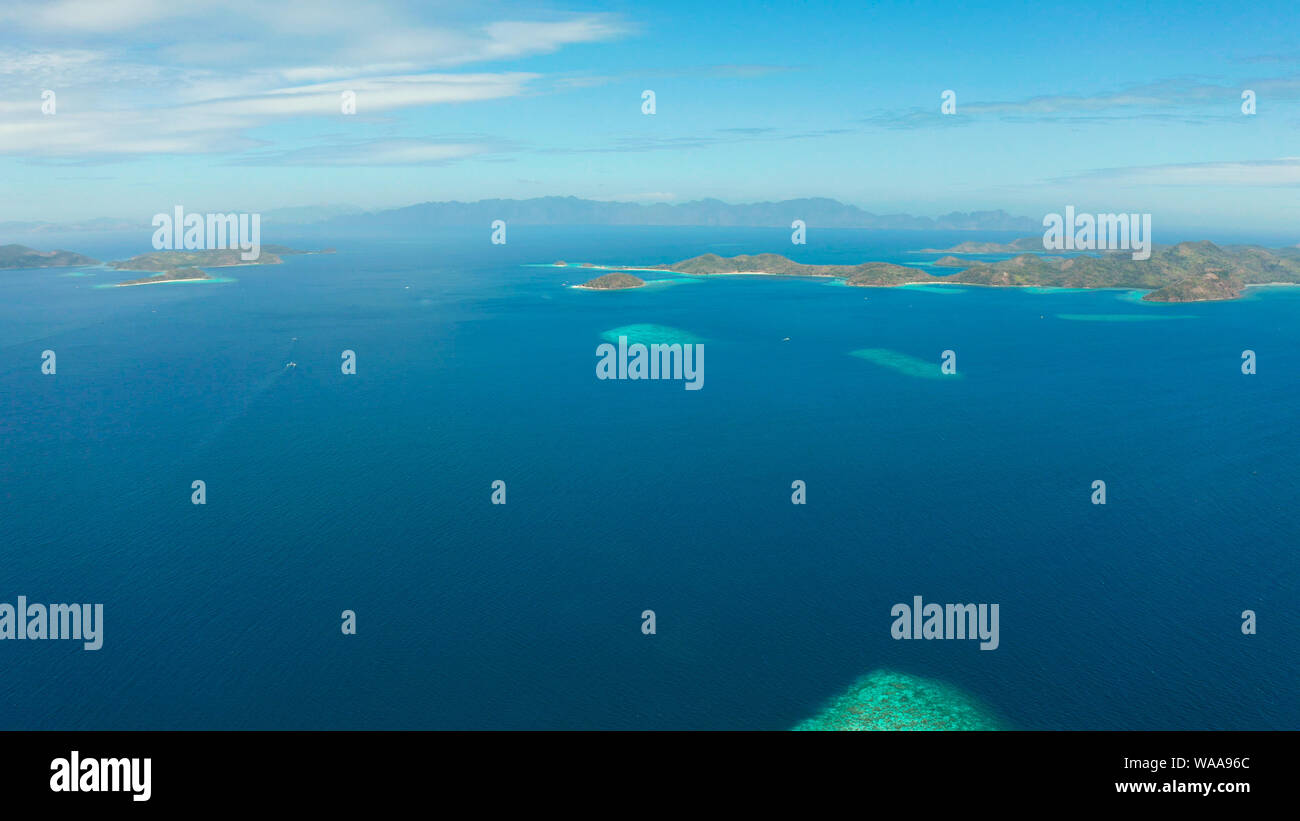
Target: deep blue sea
[372,492]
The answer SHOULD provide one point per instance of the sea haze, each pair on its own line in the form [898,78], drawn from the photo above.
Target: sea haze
[371,492]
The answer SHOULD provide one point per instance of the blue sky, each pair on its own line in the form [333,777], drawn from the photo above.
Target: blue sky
[235,106]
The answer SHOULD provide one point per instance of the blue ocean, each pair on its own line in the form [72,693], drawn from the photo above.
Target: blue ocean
[476,362]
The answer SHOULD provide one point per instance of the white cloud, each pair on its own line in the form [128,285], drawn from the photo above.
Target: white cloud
[373,94]
[221,70]
[91,15]
[218,125]
[1282,172]
[379,152]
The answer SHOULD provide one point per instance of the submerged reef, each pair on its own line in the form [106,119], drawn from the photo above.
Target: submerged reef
[886,700]
[647,334]
[903,363]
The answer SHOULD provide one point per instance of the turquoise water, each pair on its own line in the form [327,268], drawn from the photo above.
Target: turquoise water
[905,363]
[886,700]
[371,492]
[648,333]
[1133,317]
[211,280]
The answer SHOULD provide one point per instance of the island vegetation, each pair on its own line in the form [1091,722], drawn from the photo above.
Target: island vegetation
[174,266]
[613,282]
[951,262]
[1015,246]
[20,256]
[1186,272]
[173,275]
[171,266]
[167,260]
[868,273]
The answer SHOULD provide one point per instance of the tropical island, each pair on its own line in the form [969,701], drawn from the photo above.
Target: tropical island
[20,256]
[1186,272]
[171,266]
[189,274]
[612,282]
[183,266]
[221,258]
[1015,246]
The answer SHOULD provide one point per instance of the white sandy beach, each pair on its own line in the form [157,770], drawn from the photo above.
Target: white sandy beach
[162,282]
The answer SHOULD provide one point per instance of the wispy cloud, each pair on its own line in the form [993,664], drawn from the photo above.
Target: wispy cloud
[648,74]
[718,137]
[1176,101]
[429,151]
[223,71]
[1282,172]
[221,125]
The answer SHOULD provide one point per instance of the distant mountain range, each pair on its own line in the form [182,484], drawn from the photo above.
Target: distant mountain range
[817,212]
[14,228]
[300,215]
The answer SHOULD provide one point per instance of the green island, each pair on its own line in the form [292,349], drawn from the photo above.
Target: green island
[167,260]
[612,282]
[183,266]
[1023,244]
[188,274]
[951,262]
[1186,272]
[20,256]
